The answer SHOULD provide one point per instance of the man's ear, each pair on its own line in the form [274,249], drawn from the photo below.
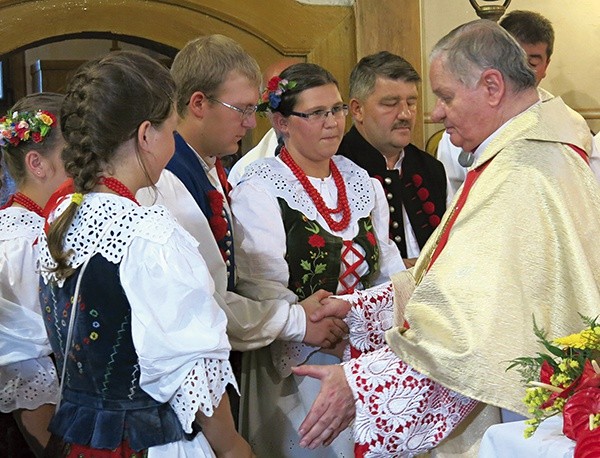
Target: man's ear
[356,110]
[494,85]
[197,105]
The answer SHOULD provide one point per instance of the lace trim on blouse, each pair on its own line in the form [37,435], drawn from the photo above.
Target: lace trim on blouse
[400,412]
[28,384]
[202,390]
[17,222]
[281,182]
[153,223]
[371,315]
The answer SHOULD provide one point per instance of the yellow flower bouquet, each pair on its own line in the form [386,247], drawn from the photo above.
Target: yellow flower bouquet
[566,380]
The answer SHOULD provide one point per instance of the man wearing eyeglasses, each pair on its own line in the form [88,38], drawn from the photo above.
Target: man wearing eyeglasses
[217,90]
[383,103]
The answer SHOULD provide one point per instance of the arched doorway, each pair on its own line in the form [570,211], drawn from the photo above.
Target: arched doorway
[267,30]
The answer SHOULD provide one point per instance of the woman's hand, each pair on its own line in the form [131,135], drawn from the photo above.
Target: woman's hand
[333,409]
[327,332]
[331,306]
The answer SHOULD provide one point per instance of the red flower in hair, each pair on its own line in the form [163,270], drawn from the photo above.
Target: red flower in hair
[50,115]
[316,241]
[22,132]
[36,137]
[417,180]
[273,83]
[428,207]
[423,194]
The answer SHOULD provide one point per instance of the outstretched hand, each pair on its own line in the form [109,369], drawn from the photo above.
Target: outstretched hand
[333,409]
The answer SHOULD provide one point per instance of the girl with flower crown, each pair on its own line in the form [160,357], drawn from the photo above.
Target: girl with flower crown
[127,300]
[307,220]
[31,143]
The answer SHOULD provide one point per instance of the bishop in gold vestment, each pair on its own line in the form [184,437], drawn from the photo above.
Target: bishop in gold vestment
[519,241]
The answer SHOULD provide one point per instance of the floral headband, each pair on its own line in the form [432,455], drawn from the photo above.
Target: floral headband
[271,96]
[17,127]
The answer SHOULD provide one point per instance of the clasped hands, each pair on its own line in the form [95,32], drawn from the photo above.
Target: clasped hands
[325,327]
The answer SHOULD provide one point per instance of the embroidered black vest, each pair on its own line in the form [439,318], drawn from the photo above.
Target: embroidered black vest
[103,403]
[313,254]
[420,189]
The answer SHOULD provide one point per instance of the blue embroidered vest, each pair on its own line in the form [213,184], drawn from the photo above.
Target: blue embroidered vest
[103,403]
[185,165]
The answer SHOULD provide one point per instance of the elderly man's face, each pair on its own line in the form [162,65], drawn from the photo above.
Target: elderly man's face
[463,110]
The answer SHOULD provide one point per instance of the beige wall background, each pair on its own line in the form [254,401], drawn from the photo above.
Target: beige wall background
[574,71]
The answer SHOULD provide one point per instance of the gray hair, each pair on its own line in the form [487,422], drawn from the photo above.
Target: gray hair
[480,45]
[383,64]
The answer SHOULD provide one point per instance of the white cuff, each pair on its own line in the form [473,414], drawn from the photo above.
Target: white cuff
[295,327]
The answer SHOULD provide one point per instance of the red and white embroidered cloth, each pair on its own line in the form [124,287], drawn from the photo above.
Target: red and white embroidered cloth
[399,412]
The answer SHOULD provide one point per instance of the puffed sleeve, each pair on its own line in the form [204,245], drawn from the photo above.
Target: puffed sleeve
[178,329]
[260,253]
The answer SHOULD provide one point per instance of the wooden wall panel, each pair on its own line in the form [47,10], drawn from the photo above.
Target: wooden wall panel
[394,26]
[268,30]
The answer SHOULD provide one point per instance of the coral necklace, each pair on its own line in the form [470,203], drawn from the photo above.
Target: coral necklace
[326,212]
[22,199]
[115,185]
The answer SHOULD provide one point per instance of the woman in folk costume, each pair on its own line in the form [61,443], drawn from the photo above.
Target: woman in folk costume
[127,299]
[31,144]
[307,220]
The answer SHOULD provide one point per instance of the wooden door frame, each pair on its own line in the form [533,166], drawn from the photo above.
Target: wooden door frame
[267,30]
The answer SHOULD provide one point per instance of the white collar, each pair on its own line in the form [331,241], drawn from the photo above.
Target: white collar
[398,165]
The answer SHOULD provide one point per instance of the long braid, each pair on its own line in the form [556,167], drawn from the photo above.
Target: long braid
[106,101]
[79,163]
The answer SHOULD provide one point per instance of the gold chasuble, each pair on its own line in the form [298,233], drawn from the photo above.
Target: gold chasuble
[526,243]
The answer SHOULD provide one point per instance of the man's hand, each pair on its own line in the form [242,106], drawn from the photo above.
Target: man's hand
[327,332]
[333,409]
[331,306]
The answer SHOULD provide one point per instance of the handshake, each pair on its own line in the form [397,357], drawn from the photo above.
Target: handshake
[325,313]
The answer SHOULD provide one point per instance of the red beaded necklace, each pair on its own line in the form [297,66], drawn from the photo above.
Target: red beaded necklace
[22,199]
[326,212]
[115,185]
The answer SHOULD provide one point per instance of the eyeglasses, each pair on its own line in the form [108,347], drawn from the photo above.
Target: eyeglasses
[339,112]
[245,112]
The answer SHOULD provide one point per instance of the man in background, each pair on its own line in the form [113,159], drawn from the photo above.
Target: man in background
[383,103]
